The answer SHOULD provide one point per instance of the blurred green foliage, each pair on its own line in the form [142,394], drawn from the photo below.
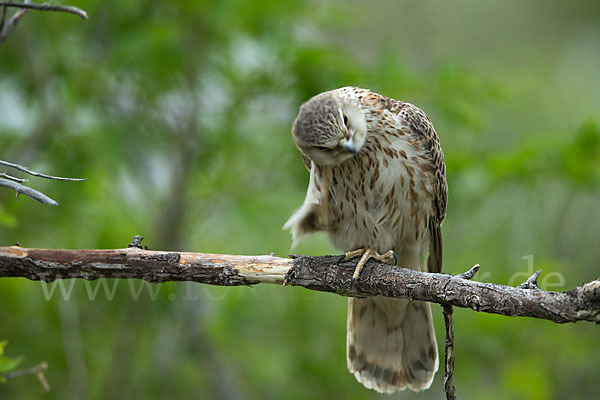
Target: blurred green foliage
[179,113]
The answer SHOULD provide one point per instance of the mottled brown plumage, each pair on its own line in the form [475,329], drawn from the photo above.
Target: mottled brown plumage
[377,182]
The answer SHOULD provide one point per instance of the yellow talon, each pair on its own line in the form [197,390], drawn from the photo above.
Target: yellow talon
[365,255]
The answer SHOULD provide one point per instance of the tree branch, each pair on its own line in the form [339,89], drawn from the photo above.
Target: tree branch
[12,178]
[33,173]
[316,273]
[7,28]
[27,191]
[45,7]
[14,183]
[449,353]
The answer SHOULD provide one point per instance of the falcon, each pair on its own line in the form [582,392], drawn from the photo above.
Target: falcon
[378,188]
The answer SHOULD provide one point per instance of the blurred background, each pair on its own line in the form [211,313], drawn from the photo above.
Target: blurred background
[179,115]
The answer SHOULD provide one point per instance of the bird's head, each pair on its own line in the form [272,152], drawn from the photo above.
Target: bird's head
[330,129]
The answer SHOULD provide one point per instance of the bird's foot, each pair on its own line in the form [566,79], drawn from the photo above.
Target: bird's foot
[364,254]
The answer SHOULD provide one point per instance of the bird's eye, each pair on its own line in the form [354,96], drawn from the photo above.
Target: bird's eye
[322,148]
[345,120]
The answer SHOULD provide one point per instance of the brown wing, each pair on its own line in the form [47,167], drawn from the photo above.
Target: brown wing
[307,162]
[424,133]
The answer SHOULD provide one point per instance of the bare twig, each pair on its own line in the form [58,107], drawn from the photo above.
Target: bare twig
[12,22]
[449,344]
[12,178]
[42,378]
[25,372]
[531,282]
[470,273]
[316,273]
[27,191]
[46,7]
[136,242]
[3,18]
[449,353]
[38,371]
[14,183]
[33,173]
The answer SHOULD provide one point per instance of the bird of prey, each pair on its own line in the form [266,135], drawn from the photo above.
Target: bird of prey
[378,188]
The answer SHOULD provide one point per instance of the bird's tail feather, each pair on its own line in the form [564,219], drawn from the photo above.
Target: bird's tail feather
[391,343]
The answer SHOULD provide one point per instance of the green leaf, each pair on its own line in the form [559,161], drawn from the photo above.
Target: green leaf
[7,364]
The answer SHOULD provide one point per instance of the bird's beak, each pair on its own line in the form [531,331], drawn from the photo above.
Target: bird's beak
[348,146]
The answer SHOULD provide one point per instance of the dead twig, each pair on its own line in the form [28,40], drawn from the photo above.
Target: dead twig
[470,273]
[448,313]
[23,7]
[15,184]
[12,178]
[531,282]
[38,371]
[45,7]
[449,353]
[7,28]
[33,173]
[3,18]
[27,191]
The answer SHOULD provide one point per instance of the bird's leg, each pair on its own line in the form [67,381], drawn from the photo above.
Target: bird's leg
[365,254]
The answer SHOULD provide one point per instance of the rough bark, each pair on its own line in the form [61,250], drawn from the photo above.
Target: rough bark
[317,273]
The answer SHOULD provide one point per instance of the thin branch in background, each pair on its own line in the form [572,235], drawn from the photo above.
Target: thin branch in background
[3,18]
[46,7]
[38,371]
[27,191]
[449,353]
[12,22]
[14,183]
[448,312]
[12,178]
[6,29]
[33,173]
